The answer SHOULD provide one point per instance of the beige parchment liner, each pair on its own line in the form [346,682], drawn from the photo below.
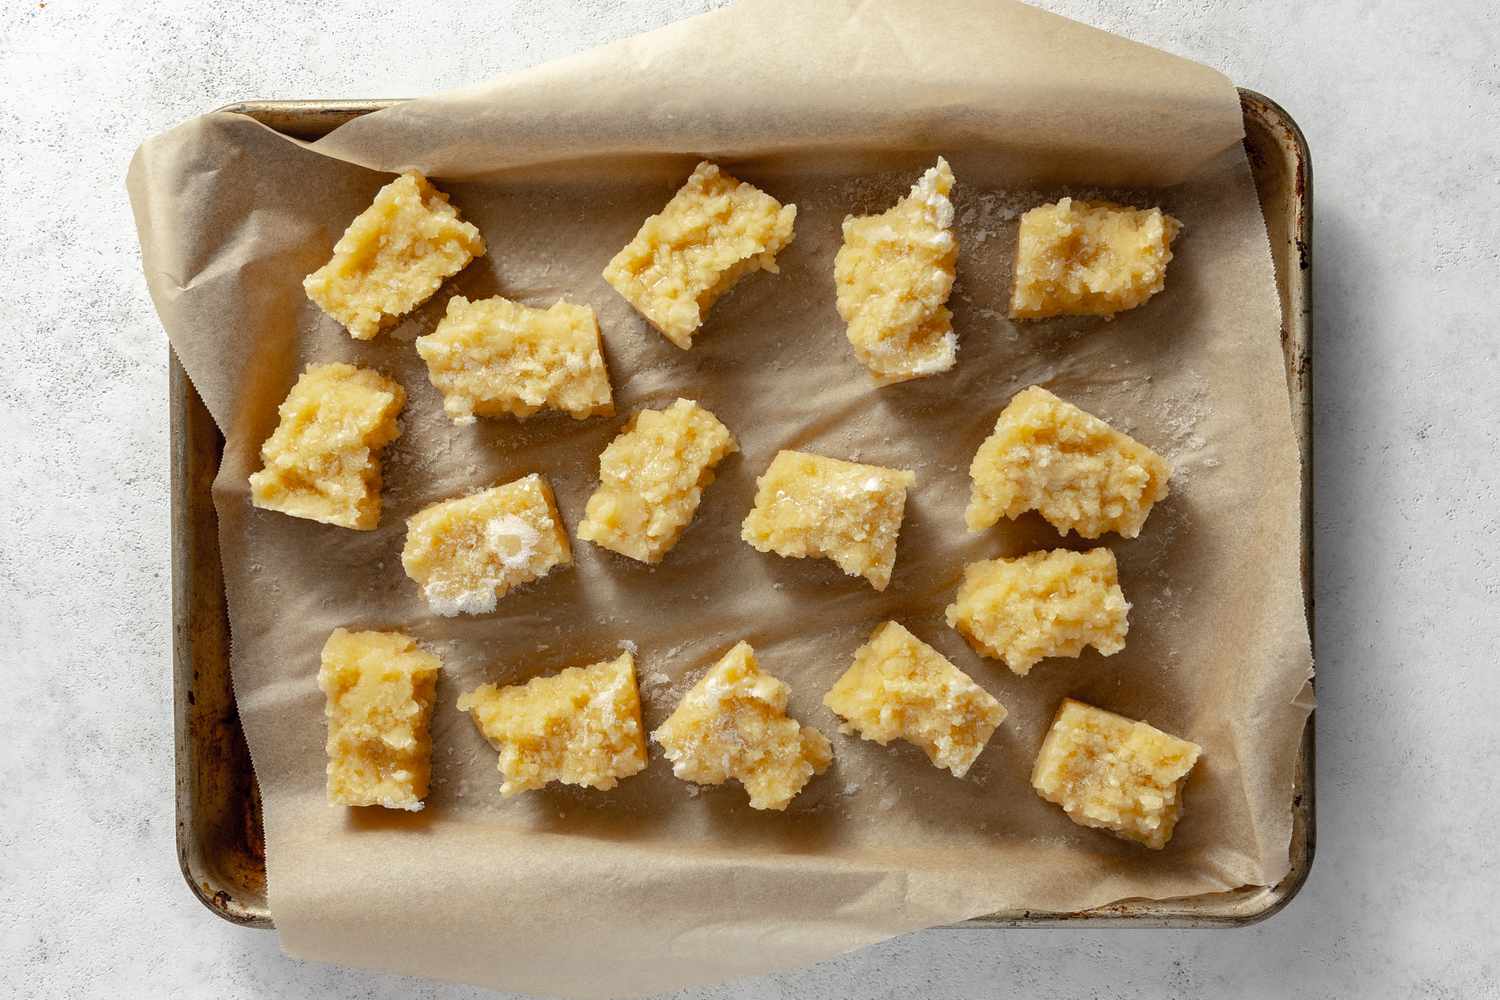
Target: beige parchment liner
[834,107]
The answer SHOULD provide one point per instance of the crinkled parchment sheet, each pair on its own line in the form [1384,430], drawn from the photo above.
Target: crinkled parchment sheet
[835,107]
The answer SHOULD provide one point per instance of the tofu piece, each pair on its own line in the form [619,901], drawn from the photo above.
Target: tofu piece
[580,727]
[894,274]
[808,505]
[495,357]
[1078,472]
[900,688]
[1042,604]
[322,462]
[651,480]
[1090,258]
[469,552]
[713,232]
[393,257]
[1113,773]
[733,724]
[379,688]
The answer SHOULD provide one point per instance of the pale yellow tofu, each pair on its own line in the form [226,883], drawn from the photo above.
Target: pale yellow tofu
[651,480]
[714,231]
[393,257]
[808,505]
[1090,258]
[469,552]
[733,724]
[1113,773]
[379,688]
[496,357]
[1041,604]
[1078,472]
[900,688]
[894,274]
[580,727]
[323,460]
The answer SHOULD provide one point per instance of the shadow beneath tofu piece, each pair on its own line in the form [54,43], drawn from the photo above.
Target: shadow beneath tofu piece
[369,818]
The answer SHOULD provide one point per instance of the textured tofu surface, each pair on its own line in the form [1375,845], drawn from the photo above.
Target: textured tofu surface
[495,357]
[1090,258]
[468,553]
[651,480]
[1041,604]
[1074,469]
[580,727]
[379,688]
[393,257]
[714,231]
[900,688]
[733,724]
[808,505]
[894,274]
[1114,773]
[323,460]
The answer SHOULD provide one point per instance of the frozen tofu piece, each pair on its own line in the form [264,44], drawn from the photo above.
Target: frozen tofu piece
[379,687]
[468,553]
[733,724]
[1090,258]
[651,479]
[900,688]
[323,460]
[496,357]
[1114,773]
[1078,472]
[580,727]
[393,257]
[713,232]
[808,505]
[894,274]
[1041,604]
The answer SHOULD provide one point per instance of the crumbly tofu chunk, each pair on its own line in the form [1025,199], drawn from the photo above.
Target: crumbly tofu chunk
[894,274]
[379,687]
[808,505]
[713,232]
[651,480]
[580,727]
[393,257]
[1041,604]
[900,688]
[468,553]
[1114,773]
[1090,258]
[323,460]
[496,357]
[733,724]
[1078,472]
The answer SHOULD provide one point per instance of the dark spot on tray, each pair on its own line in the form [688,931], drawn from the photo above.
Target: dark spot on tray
[1304,254]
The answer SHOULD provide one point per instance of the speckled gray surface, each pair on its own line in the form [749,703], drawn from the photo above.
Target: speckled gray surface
[1401,104]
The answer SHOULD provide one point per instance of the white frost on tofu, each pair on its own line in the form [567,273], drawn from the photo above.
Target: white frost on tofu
[940,207]
[512,539]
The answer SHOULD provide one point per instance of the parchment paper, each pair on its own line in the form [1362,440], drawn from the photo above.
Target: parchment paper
[835,107]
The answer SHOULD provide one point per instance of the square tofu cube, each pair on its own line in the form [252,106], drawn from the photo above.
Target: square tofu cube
[1114,773]
[713,232]
[580,727]
[323,460]
[900,688]
[393,257]
[1078,472]
[379,687]
[468,553]
[1090,258]
[894,274]
[733,724]
[651,479]
[495,357]
[808,505]
[1041,604]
